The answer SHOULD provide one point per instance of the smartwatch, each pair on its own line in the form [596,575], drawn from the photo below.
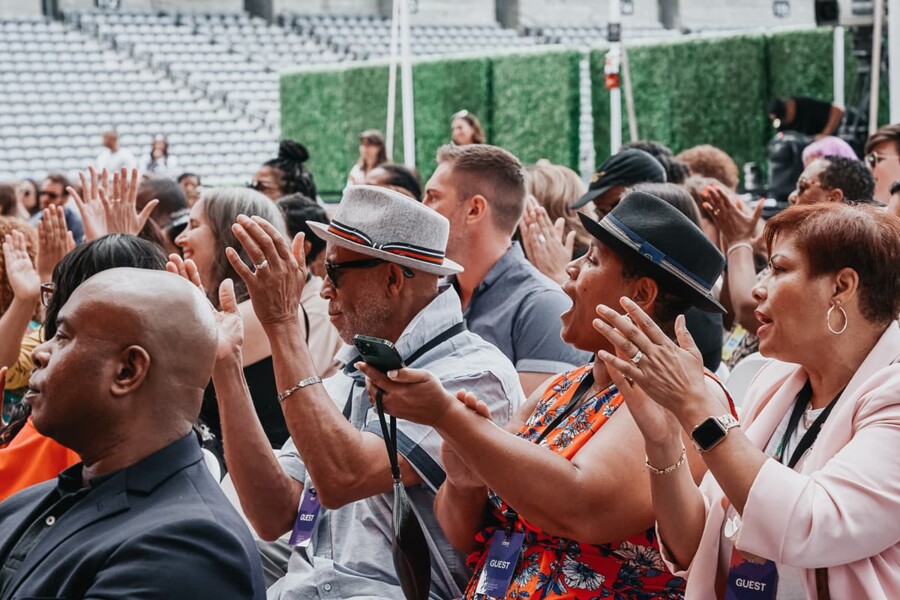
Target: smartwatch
[713,430]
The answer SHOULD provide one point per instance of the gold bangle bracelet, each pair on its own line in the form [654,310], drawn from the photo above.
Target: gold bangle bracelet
[669,469]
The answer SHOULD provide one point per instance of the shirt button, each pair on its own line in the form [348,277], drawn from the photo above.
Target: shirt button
[50,520]
[327,587]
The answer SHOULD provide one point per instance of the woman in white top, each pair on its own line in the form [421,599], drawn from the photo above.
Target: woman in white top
[372,153]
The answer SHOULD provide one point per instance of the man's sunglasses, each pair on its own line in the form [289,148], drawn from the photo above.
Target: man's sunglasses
[333,270]
[51,195]
[873,158]
[259,186]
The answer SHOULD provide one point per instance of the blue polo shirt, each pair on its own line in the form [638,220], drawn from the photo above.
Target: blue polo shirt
[516,308]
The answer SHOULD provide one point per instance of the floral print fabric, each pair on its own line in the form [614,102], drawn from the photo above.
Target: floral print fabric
[562,569]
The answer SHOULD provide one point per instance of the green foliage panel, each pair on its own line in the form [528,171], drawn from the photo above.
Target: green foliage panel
[717,91]
[536,105]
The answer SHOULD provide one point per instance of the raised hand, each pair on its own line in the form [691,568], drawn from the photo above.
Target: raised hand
[276,282]
[121,206]
[93,213]
[187,269]
[54,241]
[229,323]
[735,223]
[546,243]
[20,271]
[669,373]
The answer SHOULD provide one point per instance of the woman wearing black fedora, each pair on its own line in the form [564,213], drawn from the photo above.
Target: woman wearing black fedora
[567,483]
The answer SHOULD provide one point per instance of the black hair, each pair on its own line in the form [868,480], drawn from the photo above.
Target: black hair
[778,108]
[184,176]
[169,193]
[108,252]
[297,178]
[676,171]
[850,176]
[297,210]
[403,177]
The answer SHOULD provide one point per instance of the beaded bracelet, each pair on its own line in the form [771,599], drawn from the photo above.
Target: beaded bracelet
[668,470]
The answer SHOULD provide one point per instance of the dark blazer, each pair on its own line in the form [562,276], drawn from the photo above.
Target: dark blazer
[160,528]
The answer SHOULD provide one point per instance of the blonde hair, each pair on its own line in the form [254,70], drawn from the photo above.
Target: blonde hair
[556,188]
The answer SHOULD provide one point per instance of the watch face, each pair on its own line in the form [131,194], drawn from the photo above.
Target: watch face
[707,433]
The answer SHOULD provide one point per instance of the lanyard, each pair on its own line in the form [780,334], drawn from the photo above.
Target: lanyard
[803,398]
[433,343]
[583,386]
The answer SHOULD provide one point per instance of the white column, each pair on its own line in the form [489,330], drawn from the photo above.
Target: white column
[392,81]
[406,84]
[894,58]
[876,65]
[613,62]
[838,63]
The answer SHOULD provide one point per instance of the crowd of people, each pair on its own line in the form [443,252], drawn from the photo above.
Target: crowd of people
[503,383]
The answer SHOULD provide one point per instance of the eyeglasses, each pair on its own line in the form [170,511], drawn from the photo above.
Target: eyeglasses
[334,269]
[47,290]
[259,186]
[51,195]
[873,158]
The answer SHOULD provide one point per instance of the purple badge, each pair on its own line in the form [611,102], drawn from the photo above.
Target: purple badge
[500,565]
[306,518]
[752,581]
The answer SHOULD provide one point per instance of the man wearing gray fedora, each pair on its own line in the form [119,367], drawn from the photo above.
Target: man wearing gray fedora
[384,258]
[505,299]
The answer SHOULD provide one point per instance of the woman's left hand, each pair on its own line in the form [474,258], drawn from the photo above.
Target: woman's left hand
[671,374]
[411,394]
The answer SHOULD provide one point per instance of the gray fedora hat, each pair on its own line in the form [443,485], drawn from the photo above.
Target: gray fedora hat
[379,222]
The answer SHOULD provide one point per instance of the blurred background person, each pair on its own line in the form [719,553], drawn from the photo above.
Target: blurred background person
[159,162]
[27,195]
[397,177]
[190,184]
[465,128]
[708,161]
[809,116]
[827,146]
[113,157]
[372,153]
[286,173]
[882,154]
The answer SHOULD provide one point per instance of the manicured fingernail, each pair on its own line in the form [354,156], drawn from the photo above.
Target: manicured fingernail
[358,365]
[392,374]
[604,309]
[600,324]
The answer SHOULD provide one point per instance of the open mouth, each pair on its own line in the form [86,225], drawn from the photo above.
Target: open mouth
[765,321]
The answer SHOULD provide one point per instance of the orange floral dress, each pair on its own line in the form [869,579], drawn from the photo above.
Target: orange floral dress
[564,569]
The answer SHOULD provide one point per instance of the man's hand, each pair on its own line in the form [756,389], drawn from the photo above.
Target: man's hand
[276,282]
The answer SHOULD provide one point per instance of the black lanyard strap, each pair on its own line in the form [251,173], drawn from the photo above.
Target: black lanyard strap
[583,386]
[806,442]
[433,343]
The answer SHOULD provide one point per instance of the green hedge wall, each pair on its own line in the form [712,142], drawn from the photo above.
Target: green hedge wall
[535,115]
[717,91]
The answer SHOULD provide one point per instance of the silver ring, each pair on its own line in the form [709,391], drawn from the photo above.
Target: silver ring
[264,264]
[637,357]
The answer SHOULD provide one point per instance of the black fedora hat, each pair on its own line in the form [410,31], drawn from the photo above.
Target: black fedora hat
[681,256]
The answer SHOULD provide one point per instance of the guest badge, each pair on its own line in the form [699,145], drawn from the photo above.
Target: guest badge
[500,565]
[307,516]
[749,580]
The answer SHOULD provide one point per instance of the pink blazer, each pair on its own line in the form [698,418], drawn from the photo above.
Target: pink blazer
[842,509]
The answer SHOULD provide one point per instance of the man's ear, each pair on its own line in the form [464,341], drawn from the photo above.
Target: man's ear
[836,195]
[131,372]
[478,208]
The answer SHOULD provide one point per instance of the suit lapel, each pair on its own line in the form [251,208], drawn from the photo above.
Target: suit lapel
[111,499]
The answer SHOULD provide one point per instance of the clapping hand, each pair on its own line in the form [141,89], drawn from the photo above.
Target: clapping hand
[111,209]
[735,223]
[276,282]
[20,271]
[546,243]
[229,323]
[54,241]
[657,376]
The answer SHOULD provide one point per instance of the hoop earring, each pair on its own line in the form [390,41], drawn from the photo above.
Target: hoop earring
[828,319]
